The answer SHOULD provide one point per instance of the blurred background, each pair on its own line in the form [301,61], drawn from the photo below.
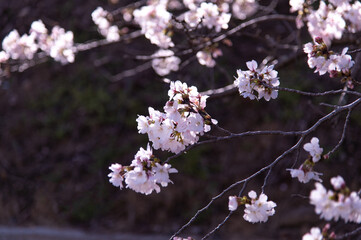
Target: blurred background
[62,126]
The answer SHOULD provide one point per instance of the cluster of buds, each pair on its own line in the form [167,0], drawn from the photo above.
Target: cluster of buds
[257,83]
[257,209]
[305,172]
[102,19]
[144,174]
[316,233]
[336,204]
[58,45]
[183,121]
[324,60]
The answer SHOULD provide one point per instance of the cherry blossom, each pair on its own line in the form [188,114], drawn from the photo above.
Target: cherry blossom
[330,20]
[256,83]
[116,177]
[337,182]
[4,56]
[314,234]
[242,9]
[212,18]
[296,5]
[144,173]
[232,203]
[205,58]
[314,149]
[154,20]
[61,45]
[192,17]
[183,121]
[333,205]
[58,45]
[100,18]
[259,209]
[191,4]
[304,176]
[164,62]
[17,47]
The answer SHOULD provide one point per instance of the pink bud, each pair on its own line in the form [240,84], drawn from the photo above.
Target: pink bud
[319,40]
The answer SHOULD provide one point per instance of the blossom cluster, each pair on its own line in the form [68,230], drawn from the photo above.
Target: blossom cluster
[316,234]
[241,9]
[305,172]
[340,203]
[319,57]
[209,15]
[101,18]
[206,56]
[58,45]
[183,121]
[257,209]
[154,20]
[331,18]
[257,83]
[165,61]
[215,16]
[144,174]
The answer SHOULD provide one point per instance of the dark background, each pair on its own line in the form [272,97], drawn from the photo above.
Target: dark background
[62,126]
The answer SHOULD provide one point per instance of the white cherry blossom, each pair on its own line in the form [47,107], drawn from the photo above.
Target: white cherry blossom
[333,205]
[183,121]
[260,209]
[296,5]
[242,9]
[314,149]
[116,177]
[337,182]
[164,62]
[211,17]
[314,234]
[4,56]
[232,203]
[17,47]
[100,18]
[144,173]
[253,83]
[154,19]
[304,176]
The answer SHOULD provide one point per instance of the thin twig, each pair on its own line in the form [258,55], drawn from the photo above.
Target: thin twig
[131,72]
[232,135]
[296,158]
[343,134]
[219,226]
[239,28]
[346,235]
[266,178]
[232,88]
[243,188]
[354,51]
